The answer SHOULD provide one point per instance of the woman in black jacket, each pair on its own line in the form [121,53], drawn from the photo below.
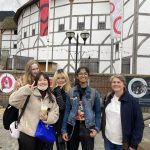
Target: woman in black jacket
[122,120]
[60,87]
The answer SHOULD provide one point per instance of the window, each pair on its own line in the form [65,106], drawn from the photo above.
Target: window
[25,34]
[80,26]
[61,27]
[91,63]
[33,32]
[101,25]
[15,46]
[15,32]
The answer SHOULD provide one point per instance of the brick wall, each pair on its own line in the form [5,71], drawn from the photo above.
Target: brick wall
[98,81]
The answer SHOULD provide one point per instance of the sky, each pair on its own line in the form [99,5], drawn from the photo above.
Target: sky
[11,5]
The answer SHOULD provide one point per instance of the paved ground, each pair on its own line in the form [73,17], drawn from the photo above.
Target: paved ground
[8,143]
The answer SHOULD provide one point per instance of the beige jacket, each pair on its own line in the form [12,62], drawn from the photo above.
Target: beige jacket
[31,116]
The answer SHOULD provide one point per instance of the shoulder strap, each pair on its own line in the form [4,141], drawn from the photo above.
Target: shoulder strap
[23,109]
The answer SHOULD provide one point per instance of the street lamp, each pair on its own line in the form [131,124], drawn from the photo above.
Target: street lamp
[71,34]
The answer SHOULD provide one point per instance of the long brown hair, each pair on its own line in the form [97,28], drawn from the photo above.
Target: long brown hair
[28,78]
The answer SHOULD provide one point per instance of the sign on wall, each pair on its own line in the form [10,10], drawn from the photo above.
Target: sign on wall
[7,82]
[139,87]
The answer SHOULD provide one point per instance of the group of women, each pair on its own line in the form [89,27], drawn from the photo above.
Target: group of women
[76,112]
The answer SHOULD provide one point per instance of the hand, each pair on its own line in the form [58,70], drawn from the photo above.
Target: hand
[43,116]
[18,84]
[32,87]
[93,133]
[65,136]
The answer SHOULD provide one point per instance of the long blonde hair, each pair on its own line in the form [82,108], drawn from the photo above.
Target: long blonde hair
[67,86]
[28,78]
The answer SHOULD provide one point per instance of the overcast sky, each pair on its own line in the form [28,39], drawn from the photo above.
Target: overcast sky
[11,5]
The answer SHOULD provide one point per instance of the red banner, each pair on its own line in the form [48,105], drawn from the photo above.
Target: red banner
[116,14]
[44,16]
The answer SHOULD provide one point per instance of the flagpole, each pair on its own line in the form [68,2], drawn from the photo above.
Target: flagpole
[47,53]
[121,37]
[47,57]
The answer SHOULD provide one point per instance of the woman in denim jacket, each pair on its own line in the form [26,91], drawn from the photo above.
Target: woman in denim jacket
[82,115]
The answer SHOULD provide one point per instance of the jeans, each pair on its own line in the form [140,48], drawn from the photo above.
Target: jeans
[110,146]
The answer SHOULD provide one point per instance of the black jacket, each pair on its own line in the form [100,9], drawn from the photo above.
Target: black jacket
[60,95]
[131,119]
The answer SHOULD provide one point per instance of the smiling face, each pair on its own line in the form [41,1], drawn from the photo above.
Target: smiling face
[82,76]
[117,85]
[34,69]
[42,83]
[60,80]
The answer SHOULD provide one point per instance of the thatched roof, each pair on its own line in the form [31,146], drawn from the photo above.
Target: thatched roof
[8,23]
[4,14]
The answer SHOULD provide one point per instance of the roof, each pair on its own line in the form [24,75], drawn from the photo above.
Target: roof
[8,23]
[19,11]
[4,14]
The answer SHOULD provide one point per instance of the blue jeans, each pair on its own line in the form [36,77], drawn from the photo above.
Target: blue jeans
[110,146]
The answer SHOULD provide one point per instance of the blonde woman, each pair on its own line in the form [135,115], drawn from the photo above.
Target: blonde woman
[31,70]
[61,85]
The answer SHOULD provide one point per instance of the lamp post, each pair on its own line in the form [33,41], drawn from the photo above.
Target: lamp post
[71,34]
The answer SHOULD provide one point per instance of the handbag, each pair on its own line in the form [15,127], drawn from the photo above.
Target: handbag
[14,131]
[45,132]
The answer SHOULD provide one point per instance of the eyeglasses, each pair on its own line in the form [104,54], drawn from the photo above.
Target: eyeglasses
[83,74]
[60,71]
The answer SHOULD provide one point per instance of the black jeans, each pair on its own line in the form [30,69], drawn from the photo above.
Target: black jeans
[60,144]
[80,134]
[27,142]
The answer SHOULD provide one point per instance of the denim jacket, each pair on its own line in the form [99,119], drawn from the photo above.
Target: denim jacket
[91,110]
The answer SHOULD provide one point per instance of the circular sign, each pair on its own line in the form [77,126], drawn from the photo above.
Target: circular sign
[7,82]
[137,87]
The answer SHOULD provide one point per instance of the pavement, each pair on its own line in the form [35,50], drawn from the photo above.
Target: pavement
[8,143]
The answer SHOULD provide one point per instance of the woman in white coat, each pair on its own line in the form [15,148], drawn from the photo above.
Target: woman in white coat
[40,95]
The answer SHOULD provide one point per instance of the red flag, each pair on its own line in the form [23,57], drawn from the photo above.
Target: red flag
[116,14]
[44,16]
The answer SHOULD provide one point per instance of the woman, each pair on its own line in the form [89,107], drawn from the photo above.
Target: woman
[61,85]
[40,96]
[31,70]
[82,113]
[122,121]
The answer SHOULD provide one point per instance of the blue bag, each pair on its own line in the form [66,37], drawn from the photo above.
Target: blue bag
[45,132]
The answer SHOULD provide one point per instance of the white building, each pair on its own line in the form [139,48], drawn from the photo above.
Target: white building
[9,35]
[91,15]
